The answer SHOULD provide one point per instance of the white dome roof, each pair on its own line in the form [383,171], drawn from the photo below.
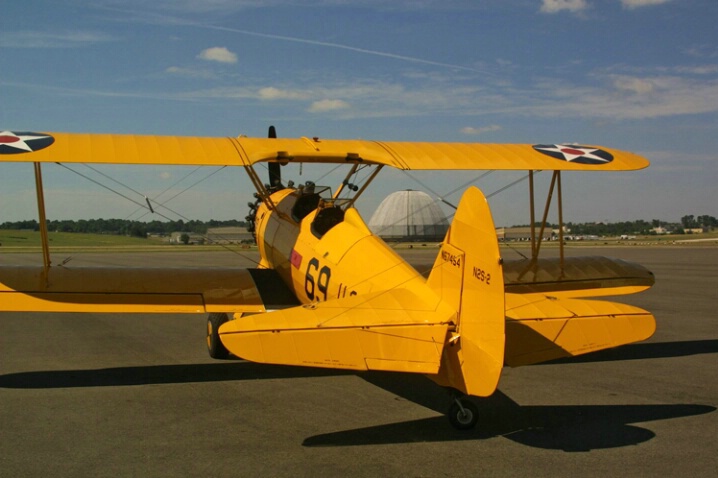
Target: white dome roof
[409,215]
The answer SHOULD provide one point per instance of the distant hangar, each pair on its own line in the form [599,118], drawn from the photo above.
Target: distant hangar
[409,216]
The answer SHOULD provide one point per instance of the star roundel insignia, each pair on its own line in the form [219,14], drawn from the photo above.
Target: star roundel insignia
[23,142]
[575,154]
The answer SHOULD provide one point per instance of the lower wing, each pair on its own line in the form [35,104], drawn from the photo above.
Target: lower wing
[540,327]
[144,290]
[590,276]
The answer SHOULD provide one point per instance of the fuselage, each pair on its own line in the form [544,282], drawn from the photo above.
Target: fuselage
[324,252]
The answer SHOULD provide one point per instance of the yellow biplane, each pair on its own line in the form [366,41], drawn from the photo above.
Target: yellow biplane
[329,293]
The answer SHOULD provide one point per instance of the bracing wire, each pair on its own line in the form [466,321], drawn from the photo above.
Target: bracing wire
[163,204]
[147,206]
[110,189]
[179,181]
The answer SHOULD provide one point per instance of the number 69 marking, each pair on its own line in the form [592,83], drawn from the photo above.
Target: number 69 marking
[316,281]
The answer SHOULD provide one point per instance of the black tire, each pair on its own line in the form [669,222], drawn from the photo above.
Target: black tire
[215,347]
[465,419]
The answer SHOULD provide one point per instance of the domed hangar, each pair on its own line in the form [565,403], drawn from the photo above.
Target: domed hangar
[409,216]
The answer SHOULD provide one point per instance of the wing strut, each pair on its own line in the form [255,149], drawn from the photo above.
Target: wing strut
[358,190]
[545,213]
[262,192]
[534,252]
[560,221]
[366,183]
[536,240]
[42,219]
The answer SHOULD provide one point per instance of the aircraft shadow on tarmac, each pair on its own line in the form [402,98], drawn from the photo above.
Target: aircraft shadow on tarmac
[228,371]
[571,428]
[562,427]
[646,350]
[241,370]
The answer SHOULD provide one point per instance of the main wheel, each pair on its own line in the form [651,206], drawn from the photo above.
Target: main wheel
[215,347]
[463,414]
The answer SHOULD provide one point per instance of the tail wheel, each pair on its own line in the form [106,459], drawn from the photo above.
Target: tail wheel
[215,347]
[463,414]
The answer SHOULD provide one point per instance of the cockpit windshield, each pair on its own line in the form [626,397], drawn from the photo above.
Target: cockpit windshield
[330,210]
[309,197]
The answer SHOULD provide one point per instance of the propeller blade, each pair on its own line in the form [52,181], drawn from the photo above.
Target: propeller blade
[275,174]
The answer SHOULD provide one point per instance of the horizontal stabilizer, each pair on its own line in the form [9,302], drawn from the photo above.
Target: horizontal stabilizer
[393,330]
[541,328]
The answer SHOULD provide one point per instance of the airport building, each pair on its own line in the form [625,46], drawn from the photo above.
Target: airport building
[229,235]
[514,233]
[409,216]
[217,235]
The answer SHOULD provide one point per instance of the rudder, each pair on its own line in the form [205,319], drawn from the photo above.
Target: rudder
[468,275]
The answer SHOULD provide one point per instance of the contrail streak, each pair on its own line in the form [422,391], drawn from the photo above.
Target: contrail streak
[178,21]
[335,45]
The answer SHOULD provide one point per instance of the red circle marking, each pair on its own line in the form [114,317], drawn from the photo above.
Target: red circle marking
[9,139]
[573,151]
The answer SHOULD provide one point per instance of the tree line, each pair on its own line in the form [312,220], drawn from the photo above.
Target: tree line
[640,226]
[693,222]
[127,227]
[123,227]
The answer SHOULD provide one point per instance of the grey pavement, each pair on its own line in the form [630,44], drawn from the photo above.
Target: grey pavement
[136,395]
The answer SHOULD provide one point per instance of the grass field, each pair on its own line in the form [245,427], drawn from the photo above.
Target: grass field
[29,241]
[14,240]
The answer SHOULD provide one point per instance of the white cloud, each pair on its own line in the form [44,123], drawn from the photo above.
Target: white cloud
[631,4]
[603,95]
[36,39]
[555,6]
[633,85]
[627,98]
[703,51]
[577,6]
[615,93]
[328,105]
[484,129]
[220,54]
[272,93]
[233,6]
[189,72]
[698,70]
[221,93]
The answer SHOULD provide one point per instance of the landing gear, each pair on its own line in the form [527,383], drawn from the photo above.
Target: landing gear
[463,414]
[215,347]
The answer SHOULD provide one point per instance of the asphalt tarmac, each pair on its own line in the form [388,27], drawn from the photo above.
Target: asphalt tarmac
[136,395]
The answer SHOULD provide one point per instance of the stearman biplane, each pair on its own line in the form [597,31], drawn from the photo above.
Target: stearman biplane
[327,292]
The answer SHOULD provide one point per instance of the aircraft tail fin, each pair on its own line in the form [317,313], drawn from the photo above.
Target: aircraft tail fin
[468,275]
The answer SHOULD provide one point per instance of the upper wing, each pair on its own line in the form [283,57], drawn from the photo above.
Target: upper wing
[393,330]
[442,156]
[541,327]
[137,149]
[103,289]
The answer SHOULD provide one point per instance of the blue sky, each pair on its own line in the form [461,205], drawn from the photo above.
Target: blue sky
[639,75]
